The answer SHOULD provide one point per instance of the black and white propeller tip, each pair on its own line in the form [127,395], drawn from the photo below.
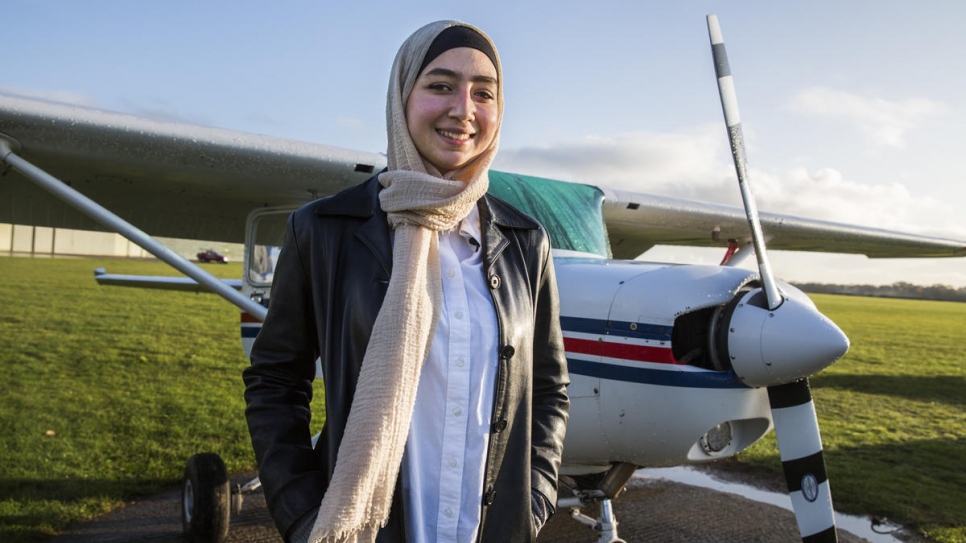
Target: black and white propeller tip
[803,461]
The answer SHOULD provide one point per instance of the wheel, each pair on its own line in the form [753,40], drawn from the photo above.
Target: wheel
[205,499]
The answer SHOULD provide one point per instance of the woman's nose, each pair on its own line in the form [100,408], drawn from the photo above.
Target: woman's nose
[463,108]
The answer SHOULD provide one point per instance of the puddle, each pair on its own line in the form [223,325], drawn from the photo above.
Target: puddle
[860,526]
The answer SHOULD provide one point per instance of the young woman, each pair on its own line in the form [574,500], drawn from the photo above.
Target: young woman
[433,307]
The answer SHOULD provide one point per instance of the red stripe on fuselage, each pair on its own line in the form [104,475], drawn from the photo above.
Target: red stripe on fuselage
[248,317]
[624,351]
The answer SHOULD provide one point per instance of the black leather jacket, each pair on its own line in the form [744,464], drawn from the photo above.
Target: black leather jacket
[329,284]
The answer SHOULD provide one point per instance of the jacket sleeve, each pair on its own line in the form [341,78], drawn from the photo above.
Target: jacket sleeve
[278,390]
[551,405]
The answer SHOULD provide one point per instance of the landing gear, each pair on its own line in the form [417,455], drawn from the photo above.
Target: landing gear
[205,499]
[600,490]
[605,523]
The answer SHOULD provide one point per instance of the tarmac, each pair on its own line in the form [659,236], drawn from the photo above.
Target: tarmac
[650,510]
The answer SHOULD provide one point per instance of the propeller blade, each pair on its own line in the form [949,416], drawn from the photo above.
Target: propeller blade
[800,449]
[796,426]
[729,103]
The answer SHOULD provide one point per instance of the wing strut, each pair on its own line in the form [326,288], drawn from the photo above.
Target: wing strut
[116,224]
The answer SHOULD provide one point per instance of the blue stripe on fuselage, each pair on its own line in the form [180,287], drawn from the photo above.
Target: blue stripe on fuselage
[249,332]
[670,378]
[616,328]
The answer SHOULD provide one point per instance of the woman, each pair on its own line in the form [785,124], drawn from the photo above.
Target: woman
[433,308]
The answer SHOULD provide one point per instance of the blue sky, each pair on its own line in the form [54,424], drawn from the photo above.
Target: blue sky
[853,111]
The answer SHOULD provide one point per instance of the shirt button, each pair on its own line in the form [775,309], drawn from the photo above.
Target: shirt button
[448,512]
[459,361]
[457,411]
[453,463]
[458,315]
[451,272]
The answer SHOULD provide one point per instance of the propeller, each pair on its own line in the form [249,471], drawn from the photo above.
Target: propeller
[777,342]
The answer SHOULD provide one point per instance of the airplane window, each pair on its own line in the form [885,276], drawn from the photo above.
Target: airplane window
[267,234]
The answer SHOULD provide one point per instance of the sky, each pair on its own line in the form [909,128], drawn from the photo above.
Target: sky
[852,111]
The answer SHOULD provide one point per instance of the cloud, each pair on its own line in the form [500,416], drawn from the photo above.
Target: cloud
[697,165]
[685,164]
[883,121]
[825,194]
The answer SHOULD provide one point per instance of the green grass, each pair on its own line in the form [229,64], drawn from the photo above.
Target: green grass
[132,382]
[893,414]
[129,382]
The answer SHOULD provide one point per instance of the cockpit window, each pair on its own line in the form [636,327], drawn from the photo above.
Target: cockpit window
[267,233]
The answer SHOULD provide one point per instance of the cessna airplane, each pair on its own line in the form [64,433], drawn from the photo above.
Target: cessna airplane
[671,364]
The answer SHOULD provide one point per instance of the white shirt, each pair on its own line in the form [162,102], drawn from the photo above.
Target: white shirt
[445,458]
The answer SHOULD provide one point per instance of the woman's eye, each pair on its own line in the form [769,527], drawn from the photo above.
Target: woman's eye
[441,87]
[486,95]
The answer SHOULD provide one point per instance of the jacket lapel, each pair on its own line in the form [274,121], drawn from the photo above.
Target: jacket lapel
[494,242]
[362,201]
[374,234]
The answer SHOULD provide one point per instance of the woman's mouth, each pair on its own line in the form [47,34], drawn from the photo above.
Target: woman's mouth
[457,136]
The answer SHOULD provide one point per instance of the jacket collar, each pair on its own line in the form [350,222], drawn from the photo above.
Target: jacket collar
[362,201]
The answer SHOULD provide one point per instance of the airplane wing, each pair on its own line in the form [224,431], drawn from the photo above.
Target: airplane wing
[184,181]
[636,222]
[168,179]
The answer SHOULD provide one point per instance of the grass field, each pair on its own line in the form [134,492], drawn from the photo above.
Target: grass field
[107,391]
[128,382]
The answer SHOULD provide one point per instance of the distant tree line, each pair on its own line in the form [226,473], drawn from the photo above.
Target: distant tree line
[895,290]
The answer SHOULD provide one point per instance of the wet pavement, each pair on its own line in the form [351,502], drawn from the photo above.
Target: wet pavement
[651,510]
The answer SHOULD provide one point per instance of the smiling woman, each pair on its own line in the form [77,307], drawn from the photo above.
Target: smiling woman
[467,315]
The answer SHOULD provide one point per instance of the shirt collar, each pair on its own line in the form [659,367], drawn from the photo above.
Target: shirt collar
[470,227]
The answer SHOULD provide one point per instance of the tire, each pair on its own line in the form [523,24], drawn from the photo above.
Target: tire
[205,499]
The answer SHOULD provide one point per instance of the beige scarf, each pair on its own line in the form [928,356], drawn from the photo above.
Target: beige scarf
[419,203]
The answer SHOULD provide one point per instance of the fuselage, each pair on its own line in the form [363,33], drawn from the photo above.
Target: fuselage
[644,387]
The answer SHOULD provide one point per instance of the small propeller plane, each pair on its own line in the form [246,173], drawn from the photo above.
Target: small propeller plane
[670,364]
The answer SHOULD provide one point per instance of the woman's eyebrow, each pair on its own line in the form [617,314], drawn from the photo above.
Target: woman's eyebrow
[446,72]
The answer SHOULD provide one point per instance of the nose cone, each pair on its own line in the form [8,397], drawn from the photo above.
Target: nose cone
[783,345]
[799,341]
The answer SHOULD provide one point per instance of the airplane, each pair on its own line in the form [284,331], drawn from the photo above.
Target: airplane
[670,364]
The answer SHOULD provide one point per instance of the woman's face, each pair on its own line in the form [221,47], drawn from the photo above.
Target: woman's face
[452,112]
